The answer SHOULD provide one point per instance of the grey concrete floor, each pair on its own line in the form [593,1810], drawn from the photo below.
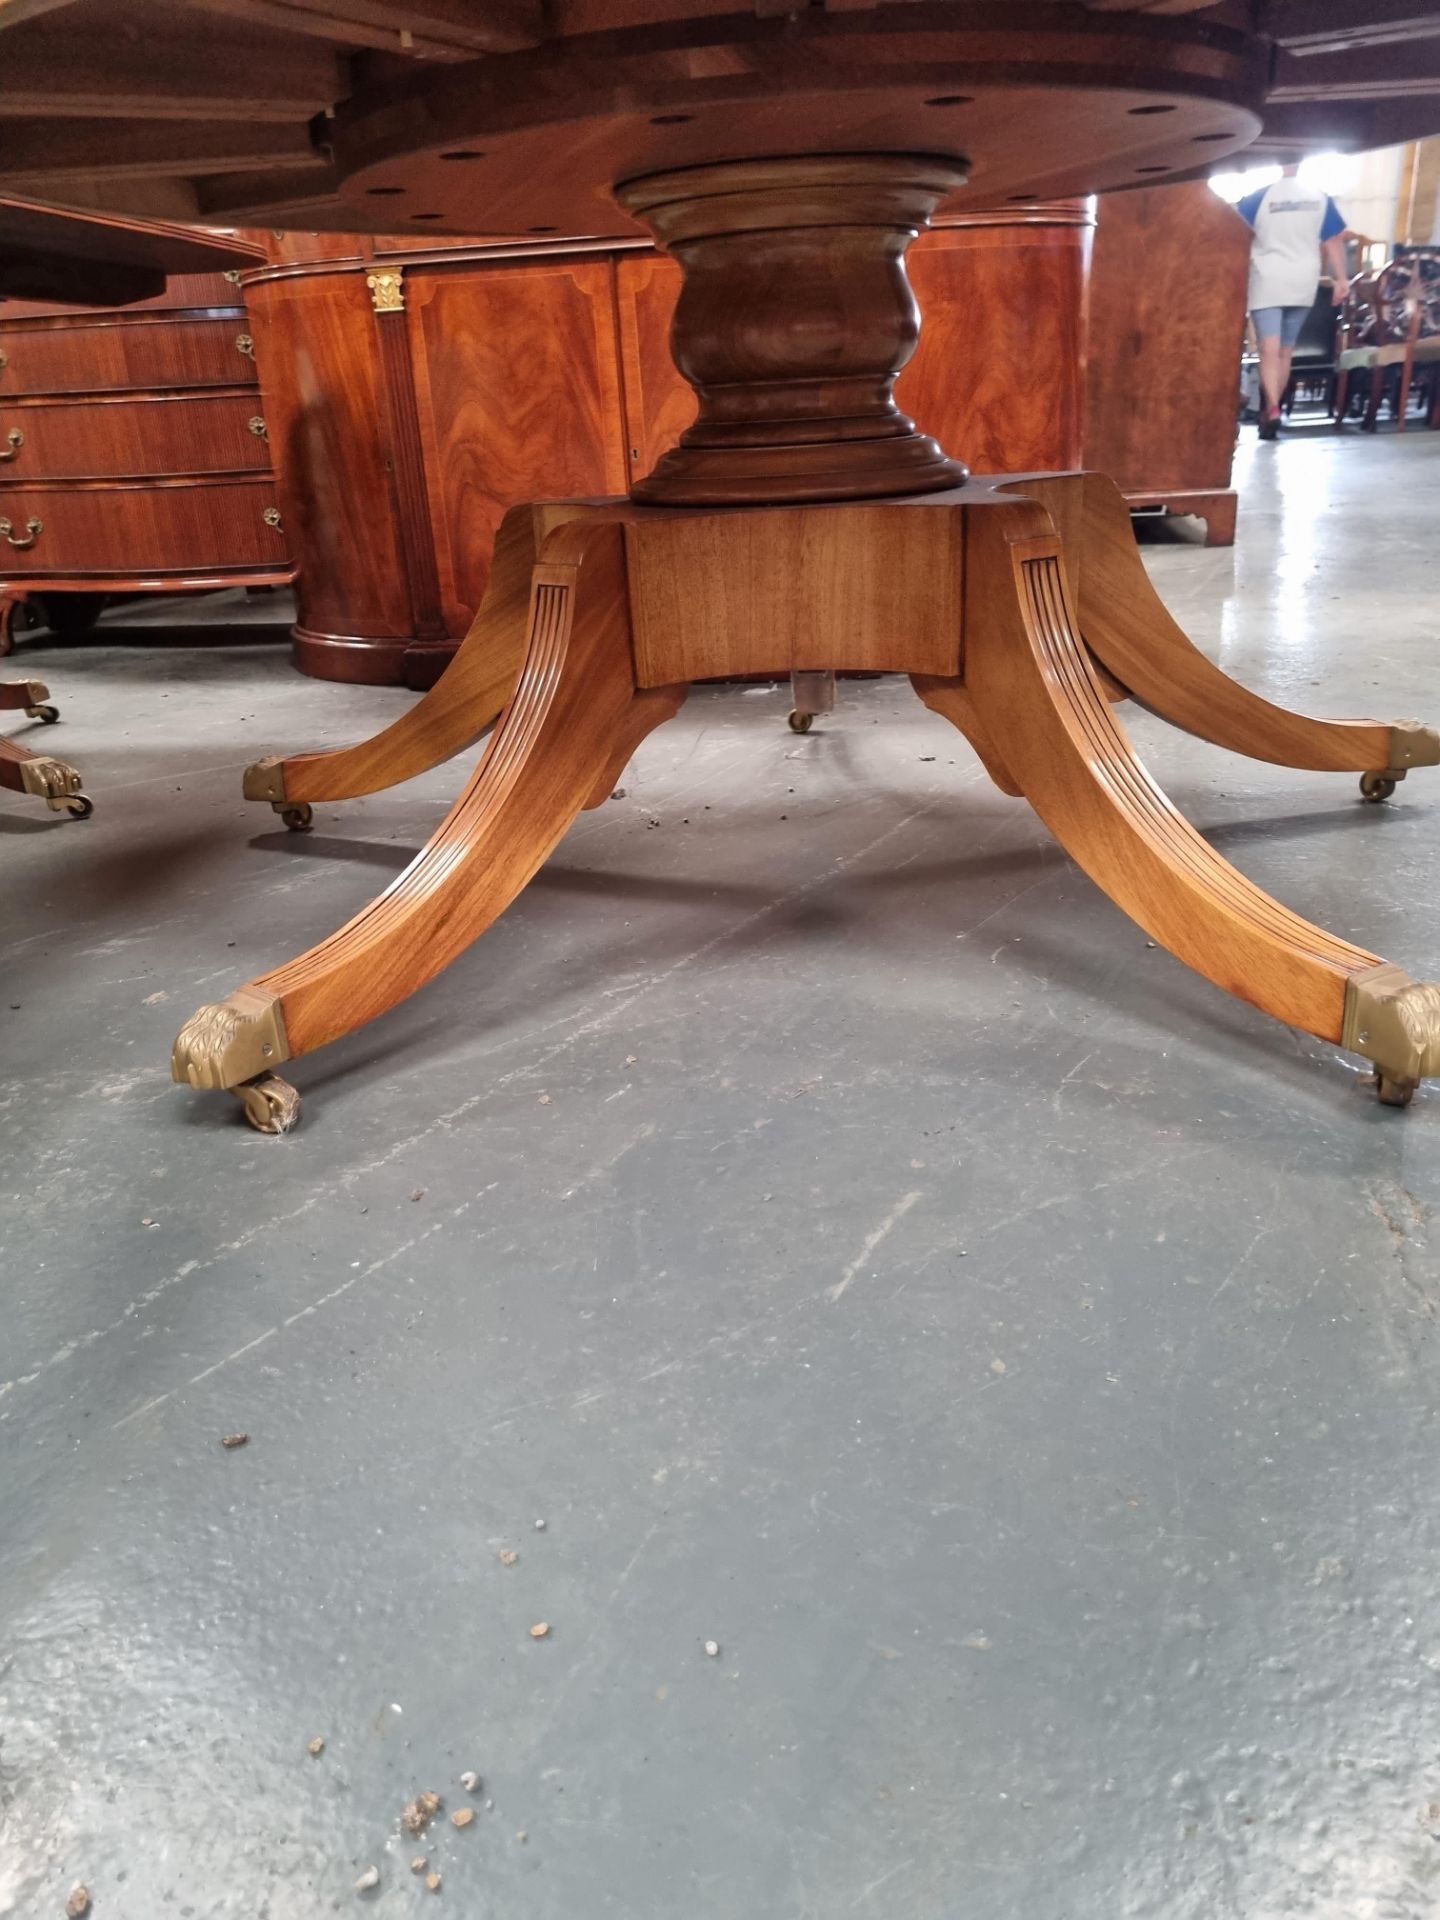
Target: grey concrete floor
[818,1205]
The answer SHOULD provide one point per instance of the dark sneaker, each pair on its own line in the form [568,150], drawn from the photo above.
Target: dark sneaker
[1270,424]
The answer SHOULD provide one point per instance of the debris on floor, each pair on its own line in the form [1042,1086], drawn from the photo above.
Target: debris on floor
[463,1817]
[470,1782]
[432,1881]
[233,1440]
[419,1863]
[317,1745]
[712,1647]
[78,1903]
[418,1194]
[539,1526]
[368,1879]
[420,1812]
[508,1556]
[540,1630]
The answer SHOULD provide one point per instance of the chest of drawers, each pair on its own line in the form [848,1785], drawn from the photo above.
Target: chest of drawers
[134,452]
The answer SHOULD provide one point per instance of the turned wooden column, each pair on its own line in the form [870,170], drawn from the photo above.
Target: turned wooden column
[795,316]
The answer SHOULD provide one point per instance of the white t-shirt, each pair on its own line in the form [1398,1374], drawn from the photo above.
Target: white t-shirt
[1290,222]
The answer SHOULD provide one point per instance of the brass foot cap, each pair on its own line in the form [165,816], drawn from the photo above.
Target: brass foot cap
[1394,1021]
[235,1040]
[50,780]
[1412,745]
[265,780]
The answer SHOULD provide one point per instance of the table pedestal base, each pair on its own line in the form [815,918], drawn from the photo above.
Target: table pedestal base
[1022,613]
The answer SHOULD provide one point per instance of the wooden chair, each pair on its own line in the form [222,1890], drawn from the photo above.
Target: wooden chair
[1391,319]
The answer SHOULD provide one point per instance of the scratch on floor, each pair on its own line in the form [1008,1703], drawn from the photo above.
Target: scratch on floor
[302,1313]
[901,1207]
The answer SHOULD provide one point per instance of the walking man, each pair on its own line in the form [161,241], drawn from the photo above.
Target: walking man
[1293,226]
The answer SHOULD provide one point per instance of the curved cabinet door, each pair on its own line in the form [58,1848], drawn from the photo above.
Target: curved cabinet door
[999,375]
[320,373]
[517,388]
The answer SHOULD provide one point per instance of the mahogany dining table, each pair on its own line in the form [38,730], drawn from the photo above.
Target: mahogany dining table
[786,155]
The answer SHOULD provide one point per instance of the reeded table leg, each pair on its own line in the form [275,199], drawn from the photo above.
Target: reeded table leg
[464,701]
[1029,680]
[576,709]
[1130,631]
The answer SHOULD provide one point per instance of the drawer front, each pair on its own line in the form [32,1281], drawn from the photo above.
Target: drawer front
[138,530]
[181,290]
[97,439]
[117,354]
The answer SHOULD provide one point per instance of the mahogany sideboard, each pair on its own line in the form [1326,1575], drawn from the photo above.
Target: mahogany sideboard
[414,393]
[133,452]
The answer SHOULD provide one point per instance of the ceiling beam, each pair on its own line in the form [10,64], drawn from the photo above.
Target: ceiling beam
[1359,73]
[118,149]
[227,77]
[1325,26]
[421,29]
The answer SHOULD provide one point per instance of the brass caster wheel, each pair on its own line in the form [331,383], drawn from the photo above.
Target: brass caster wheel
[1393,1092]
[801,722]
[271,1104]
[299,818]
[79,805]
[44,712]
[1376,786]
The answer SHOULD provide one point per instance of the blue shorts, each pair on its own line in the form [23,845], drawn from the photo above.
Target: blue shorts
[1279,323]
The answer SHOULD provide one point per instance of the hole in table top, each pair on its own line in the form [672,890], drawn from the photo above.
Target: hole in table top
[1199,137]
[464,153]
[1152,169]
[951,100]
[670,119]
[427,216]
[1155,109]
[376,192]
[542,229]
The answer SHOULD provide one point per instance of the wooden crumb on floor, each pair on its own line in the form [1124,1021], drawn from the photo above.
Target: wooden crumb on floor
[317,1745]
[368,1879]
[78,1903]
[235,1440]
[432,1881]
[418,1194]
[540,1630]
[508,1556]
[544,1099]
[420,1812]
[470,1782]
[463,1817]
[419,1863]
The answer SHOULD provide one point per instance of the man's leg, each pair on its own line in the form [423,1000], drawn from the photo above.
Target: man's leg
[1273,372]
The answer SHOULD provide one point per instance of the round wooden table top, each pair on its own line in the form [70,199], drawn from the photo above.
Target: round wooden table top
[520,116]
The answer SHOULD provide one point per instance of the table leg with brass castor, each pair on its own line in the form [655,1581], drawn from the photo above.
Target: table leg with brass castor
[466,699]
[577,716]
[45,778]
[1133,636]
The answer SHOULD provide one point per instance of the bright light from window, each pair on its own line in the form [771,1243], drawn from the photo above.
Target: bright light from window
[1235,186]
[1330,172]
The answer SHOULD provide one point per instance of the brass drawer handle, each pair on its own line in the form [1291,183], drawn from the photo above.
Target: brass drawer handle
[258,427]
[244,344]
[271,516]
[15,439]
[34,528]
